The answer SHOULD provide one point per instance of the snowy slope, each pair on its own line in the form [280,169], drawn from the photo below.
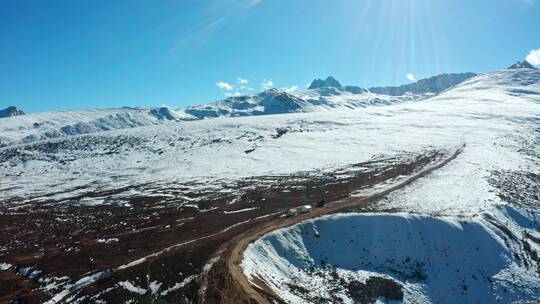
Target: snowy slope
[488,195]
[494,114]
[39,126]
[436,260]
[475,235]
[276,101]
[326,95]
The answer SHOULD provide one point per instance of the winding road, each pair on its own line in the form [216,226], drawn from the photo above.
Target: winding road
[241,289]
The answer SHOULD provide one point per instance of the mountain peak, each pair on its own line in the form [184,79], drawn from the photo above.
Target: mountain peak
[329,82]
[523,64]
[10,111]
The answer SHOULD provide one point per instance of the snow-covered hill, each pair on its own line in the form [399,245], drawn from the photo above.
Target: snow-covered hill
[322,96]
[48,125]
[40,126]
[425,259]
[427,86]
[488,195]
[276,101]
[475,235]
[486,112]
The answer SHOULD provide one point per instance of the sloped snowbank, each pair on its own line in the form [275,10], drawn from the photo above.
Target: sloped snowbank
[484,112]
[59,124]
[434,259]
[48,125]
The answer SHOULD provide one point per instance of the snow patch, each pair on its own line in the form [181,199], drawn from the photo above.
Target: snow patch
[107,241]
[5,266]
[240,210]
[132,288]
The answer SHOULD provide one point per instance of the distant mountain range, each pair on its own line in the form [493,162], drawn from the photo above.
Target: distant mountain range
[330,82]
[322,95]
[435,84]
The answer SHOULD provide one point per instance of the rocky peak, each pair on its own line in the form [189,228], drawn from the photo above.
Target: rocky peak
[329,82]
[10,111]
[524,64]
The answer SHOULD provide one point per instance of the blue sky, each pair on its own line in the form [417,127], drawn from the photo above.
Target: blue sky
[87,54]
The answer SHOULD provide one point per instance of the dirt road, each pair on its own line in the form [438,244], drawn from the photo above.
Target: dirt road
[238,289]
[193,251]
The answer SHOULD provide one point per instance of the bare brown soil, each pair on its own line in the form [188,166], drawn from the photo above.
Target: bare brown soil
[239,289]
[177,239]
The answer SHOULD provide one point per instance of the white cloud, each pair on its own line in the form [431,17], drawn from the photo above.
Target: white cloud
[534,57]
[224,86]
[411,77]
[267,84]
[241,87]
[242,80]
[290,89]
[235,94]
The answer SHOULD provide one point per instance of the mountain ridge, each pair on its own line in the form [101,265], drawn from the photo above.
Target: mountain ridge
[434,84]
[49,125]
[11,111]
[523,64]
[329,82]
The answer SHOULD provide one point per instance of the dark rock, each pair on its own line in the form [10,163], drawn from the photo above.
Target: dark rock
[330,82]
[524,64]
[11,111]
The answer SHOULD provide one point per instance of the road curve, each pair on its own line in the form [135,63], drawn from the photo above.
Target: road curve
[232,251]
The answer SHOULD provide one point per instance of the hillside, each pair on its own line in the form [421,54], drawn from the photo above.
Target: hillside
[48,125]
[192,185]
[325,95]
[467,233]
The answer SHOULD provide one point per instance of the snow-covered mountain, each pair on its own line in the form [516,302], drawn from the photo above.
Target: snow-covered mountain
[11,111]
[337,136]
[47,125]
[276,101]
[467,233]
[523,64]
[329,82]
[431,85]
[473,222]
[435,84]
[273,101]
[322,95]
[39,126]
